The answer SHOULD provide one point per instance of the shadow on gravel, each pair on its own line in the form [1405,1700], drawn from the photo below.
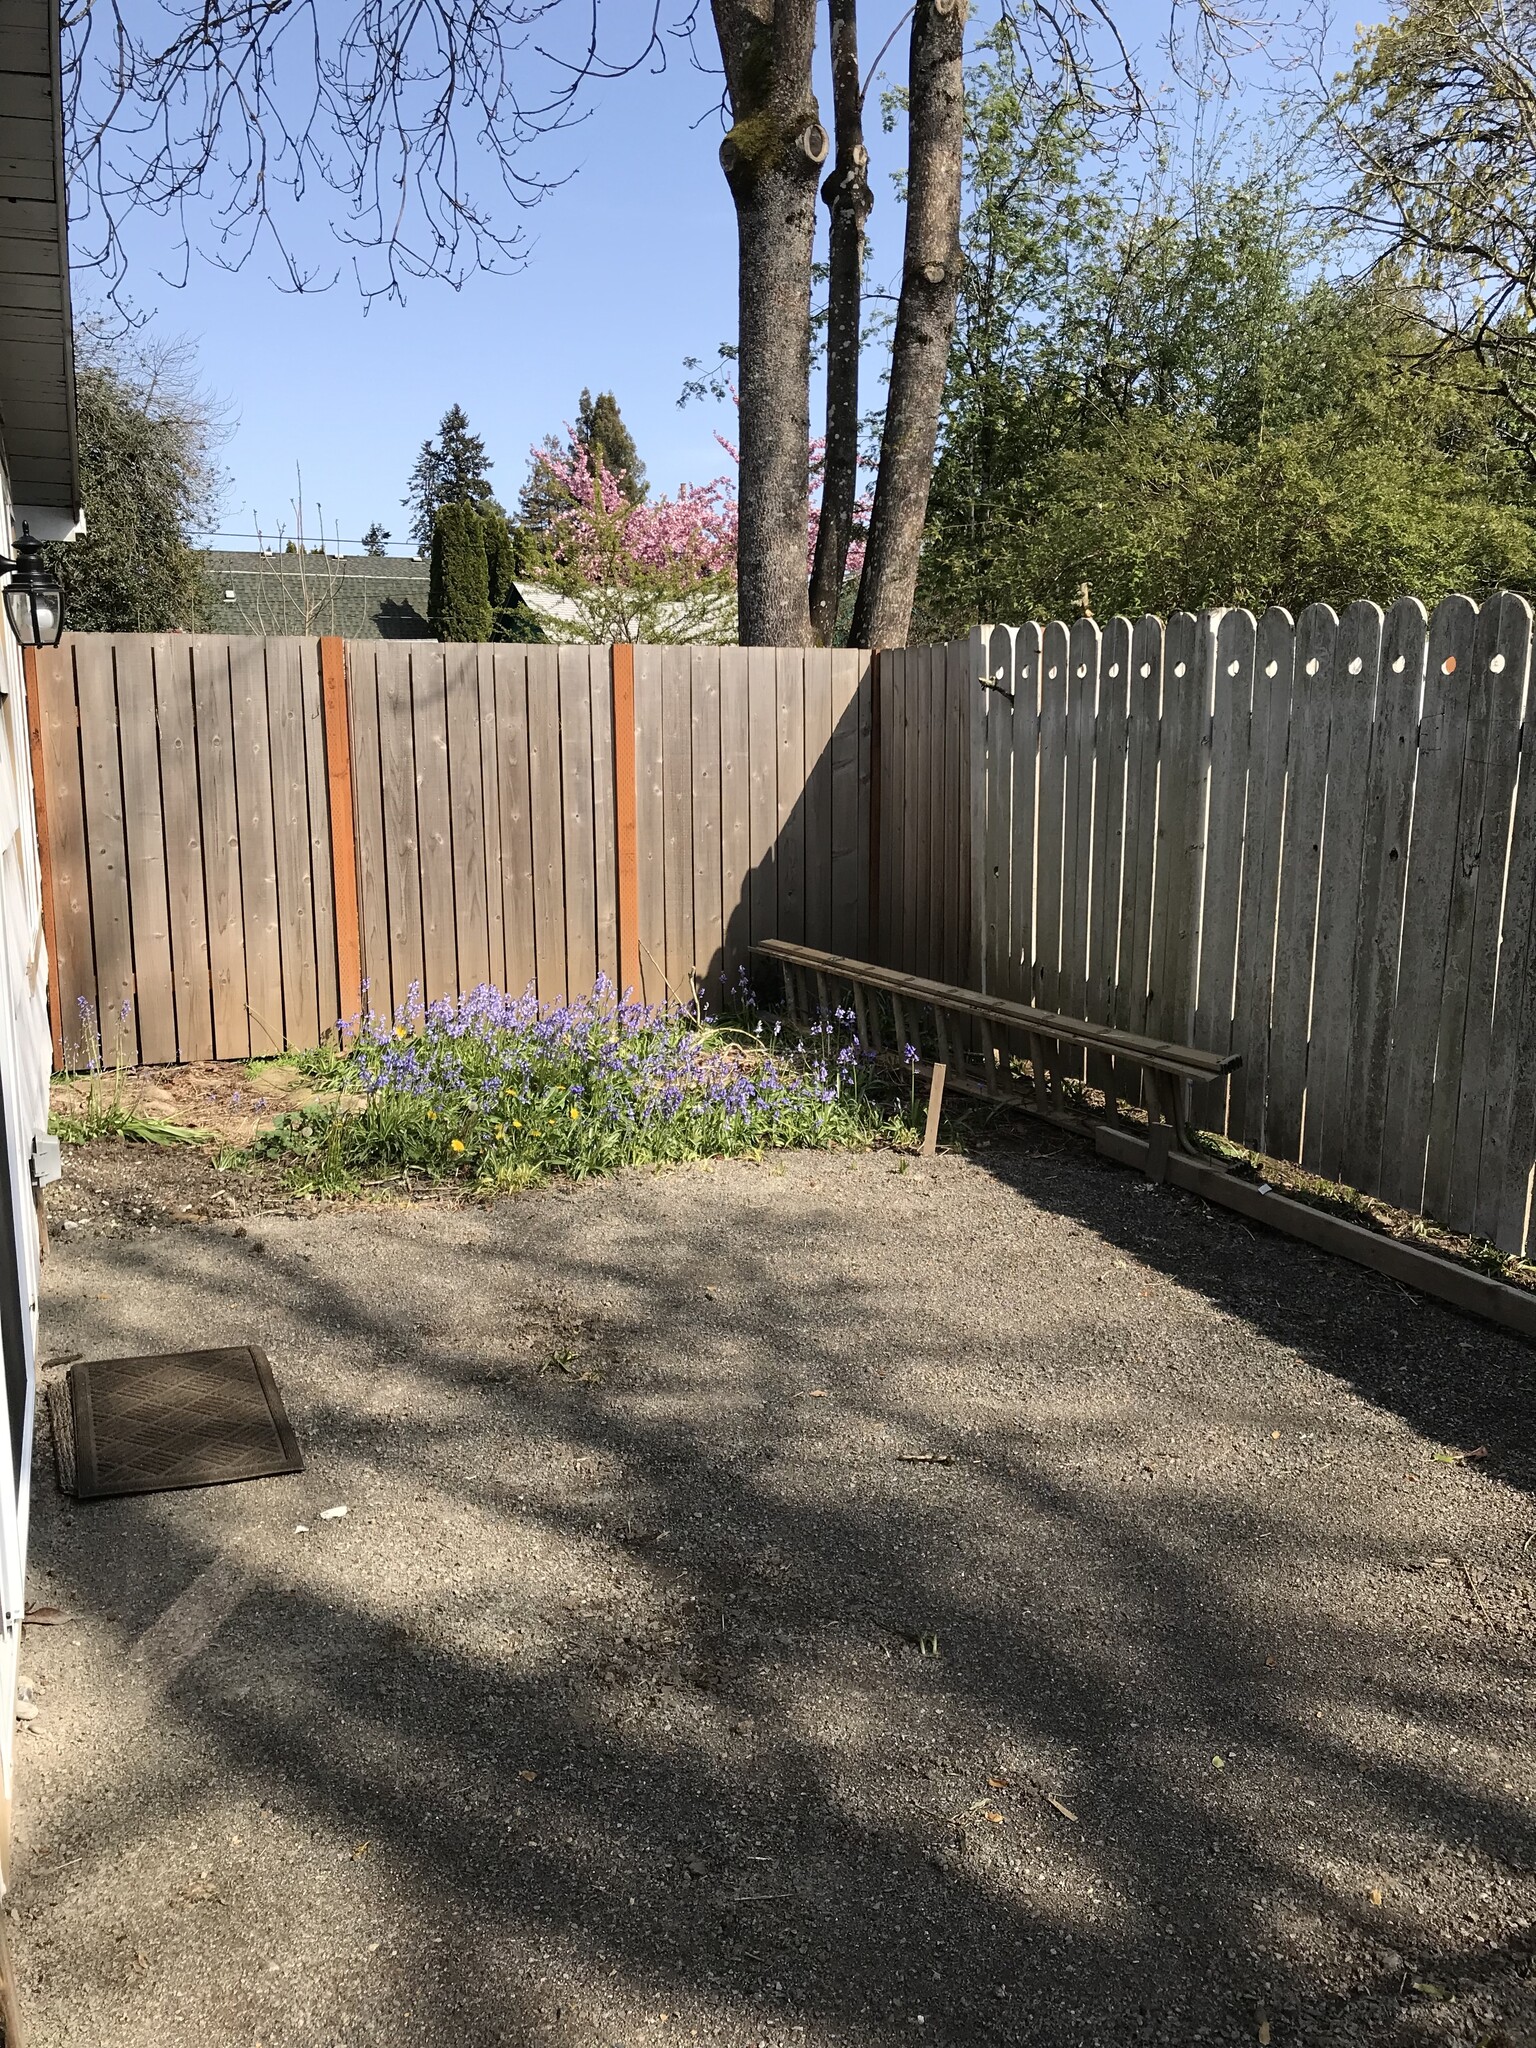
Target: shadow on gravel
[1463,1382]
[728,1769]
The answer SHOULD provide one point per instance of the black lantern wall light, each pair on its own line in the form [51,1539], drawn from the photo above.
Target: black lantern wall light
[34,604]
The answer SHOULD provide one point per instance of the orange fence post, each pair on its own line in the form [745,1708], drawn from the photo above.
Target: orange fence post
[44,849]
[338,769]
[624,814]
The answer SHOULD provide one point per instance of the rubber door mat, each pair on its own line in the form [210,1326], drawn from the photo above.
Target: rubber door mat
[186,1418]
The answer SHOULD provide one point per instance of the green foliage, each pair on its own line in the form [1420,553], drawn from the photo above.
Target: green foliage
[147,480]
[1175,401]
[495,1092]
[600,429]
[452,470]
[374,539]
[458,599]
[1437,123]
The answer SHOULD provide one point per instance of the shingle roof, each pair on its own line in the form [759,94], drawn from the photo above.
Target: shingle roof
[362,597]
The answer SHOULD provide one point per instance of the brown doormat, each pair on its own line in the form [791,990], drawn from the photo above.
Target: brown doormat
[187,1418]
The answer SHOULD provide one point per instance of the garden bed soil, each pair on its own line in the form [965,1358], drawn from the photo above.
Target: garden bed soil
[831,1600]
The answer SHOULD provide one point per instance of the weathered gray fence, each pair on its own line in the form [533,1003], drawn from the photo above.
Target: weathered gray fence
[1312,842]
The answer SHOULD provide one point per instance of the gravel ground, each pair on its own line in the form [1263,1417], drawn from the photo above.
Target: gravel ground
[653,1689]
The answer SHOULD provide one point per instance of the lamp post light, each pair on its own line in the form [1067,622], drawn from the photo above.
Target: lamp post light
[34,604]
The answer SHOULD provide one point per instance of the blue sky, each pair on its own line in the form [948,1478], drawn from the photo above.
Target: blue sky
[631,268]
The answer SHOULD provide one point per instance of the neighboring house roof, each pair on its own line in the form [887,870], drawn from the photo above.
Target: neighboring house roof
[37,385]
[361,597]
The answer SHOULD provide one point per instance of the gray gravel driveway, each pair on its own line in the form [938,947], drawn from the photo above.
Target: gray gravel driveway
[818,1601]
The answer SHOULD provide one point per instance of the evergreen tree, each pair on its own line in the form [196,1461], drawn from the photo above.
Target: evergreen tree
[459,599]
[600,429]
[374,539]
[511,619]
[452,470]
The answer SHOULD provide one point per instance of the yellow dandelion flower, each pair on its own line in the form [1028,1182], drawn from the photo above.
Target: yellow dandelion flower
[575,1115]
[501,1130]
[517,1123]
[432,1115]
[399,1031]
[458,1145]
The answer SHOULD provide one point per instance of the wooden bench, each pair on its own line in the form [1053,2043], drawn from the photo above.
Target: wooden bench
[976,1036]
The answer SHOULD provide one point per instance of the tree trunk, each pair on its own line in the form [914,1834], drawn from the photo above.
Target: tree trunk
[849,200]
[925,320]
[772,155]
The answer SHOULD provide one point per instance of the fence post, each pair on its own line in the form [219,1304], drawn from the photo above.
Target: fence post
[44,849]
[624,815]
[338,771]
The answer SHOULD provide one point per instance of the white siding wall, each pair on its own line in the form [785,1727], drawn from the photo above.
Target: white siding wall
[25,1059]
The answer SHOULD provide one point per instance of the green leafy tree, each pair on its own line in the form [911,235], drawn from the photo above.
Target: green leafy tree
[1437,121]
[148,482]
[600,429]
[458,594]
[452,470]
[1180,403]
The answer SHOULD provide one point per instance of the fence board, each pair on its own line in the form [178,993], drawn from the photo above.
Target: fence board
[467,813]
[604,812]
[144,833]
[907,667]
[1357,657]
[818,797]
[544,817]
[221,847]
[106,850]
[1025,681]
[318,829]
[790,672]
[1378,925]
[995,710]
[1509,1125]
[290,812]
[1489,770]
[76,965]
[763,790]
[677,816]
[704,754]
[651,818]
[256,843]
[736,879]
[434,826]
[181,818]
[1141,818]
[847,785]
[490,815]
[402,845]
[1432,861]
[1182,764]
[1274,662]
[510,668]
[1109,766]
[1077,855]
[1301,861]
[574,711]
[1050,842]
[373,891]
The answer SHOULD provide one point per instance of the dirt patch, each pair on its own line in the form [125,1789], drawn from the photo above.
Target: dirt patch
[831,1602]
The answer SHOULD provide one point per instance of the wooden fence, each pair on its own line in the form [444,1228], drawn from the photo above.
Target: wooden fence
[1310,841]
[247,837]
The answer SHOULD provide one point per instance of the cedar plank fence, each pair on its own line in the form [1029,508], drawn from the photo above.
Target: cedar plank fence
[247,837]
[1310,841]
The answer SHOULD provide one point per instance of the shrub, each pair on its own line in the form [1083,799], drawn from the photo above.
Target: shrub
[459,596]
